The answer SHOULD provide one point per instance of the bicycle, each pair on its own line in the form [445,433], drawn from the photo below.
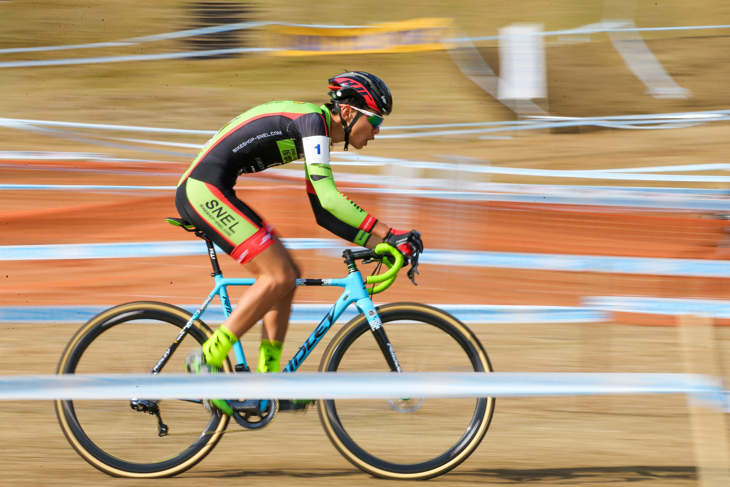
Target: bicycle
[119,438]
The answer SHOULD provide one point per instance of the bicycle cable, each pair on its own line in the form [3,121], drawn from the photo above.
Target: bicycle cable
[375,272]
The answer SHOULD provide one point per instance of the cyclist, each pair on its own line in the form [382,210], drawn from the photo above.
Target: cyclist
[269,135]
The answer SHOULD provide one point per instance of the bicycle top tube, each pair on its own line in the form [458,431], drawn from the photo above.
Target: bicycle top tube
[384,280]
[224,282]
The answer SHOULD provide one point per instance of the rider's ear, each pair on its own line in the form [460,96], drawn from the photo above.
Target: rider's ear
[347,113]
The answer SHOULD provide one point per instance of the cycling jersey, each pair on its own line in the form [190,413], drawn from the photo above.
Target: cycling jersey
[269,135]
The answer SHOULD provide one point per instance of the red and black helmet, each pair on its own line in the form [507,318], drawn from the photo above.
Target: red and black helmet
[362,86]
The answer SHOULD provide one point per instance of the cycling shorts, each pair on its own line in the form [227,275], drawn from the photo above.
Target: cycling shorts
[225,219]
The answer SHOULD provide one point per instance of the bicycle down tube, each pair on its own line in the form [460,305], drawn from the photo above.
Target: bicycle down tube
[354,292]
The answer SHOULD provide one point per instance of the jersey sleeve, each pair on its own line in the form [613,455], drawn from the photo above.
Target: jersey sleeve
[332,209]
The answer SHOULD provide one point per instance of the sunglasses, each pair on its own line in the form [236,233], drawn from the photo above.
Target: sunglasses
[373,119]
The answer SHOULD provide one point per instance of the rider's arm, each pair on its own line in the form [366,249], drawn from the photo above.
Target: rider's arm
[332,209]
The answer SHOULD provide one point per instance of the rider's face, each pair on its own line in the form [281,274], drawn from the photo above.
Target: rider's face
[362,131]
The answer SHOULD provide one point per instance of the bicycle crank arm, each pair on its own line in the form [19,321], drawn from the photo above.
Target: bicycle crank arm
[247,405]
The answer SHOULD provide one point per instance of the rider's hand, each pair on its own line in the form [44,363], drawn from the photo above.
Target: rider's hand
[408,242]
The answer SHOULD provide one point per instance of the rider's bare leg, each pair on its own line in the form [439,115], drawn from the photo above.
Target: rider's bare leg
[276,321]
[270,297]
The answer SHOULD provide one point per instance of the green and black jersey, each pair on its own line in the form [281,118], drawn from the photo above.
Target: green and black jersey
[270,135]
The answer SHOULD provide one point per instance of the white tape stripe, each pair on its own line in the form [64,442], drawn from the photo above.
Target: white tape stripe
[615,26]
[350,385]
[131,58]
[503,260]
[657,201]
[656,121]
[313,313]
[167,36]
[69,47]
[97,126]
[653,118]
[214,29]
[139,249]
[580,263]
[660,306]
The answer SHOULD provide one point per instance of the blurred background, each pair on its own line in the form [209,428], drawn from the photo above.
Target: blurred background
[565,162]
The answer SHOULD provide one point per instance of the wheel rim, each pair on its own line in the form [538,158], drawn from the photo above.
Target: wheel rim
[436,435]
[109,434]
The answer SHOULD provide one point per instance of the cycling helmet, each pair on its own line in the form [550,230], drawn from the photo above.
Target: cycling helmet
[364,87]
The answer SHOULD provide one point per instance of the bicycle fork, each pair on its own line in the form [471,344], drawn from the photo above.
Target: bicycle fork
[367,308]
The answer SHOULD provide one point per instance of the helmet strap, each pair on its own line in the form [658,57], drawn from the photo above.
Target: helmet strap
[346,126]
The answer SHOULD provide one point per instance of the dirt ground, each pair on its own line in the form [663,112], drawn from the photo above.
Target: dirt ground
[554,441]
[540,441]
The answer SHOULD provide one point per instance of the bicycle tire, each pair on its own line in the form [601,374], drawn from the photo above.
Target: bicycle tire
[127,447]
[443,330]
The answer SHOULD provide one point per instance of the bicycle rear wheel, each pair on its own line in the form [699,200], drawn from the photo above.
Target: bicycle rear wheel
[413,438]
[110,435]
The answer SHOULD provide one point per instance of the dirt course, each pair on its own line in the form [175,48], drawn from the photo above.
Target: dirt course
[565,441]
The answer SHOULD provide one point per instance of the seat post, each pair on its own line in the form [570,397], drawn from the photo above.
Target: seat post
[211,254]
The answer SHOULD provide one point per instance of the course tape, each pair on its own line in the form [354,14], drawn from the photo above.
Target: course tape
[313,313]
[671,201]
[352,385]
[606,26]
[534,122]
[654,121]
[505,260]
[580,263]
[655,201]
[131,58]
[662,306]
[138,249]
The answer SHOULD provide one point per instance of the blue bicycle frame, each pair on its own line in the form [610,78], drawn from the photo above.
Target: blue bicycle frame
[354,292]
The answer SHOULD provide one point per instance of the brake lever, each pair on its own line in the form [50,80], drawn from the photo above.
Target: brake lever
[414,269]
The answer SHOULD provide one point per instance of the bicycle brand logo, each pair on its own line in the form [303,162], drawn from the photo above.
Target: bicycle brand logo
[311,342]
[376,323]
[395,359]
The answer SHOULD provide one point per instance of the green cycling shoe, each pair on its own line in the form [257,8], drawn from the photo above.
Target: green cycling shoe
[195,363]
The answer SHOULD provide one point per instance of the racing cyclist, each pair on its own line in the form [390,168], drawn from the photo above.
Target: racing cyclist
[270,135]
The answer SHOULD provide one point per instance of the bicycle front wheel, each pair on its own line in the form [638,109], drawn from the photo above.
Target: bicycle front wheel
[407,438]
[111,435]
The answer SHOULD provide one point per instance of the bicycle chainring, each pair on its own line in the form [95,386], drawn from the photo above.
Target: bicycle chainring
[257,414]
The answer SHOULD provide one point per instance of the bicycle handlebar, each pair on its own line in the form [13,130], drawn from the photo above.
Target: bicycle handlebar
[385,280]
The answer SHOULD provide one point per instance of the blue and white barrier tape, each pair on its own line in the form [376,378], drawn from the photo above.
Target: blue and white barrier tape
[313,313]
[580,263]
[352,385]
[606,26]
[711,308]
[503,260]
[595,309]
[670,201]
[655,121]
